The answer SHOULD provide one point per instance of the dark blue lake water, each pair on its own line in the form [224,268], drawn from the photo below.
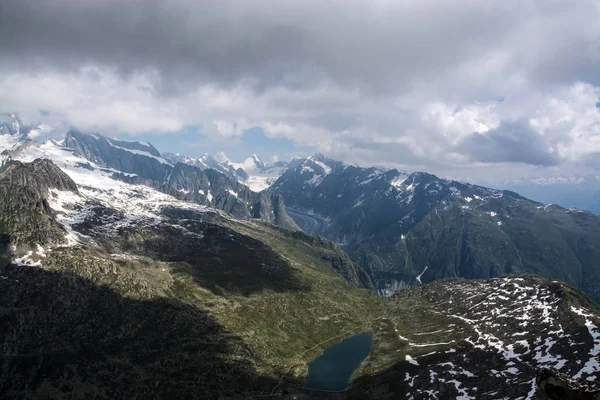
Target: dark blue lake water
[332,369]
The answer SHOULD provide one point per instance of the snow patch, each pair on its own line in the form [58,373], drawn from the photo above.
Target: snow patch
[421,274]
[592,366]
[411,360]
[140,153]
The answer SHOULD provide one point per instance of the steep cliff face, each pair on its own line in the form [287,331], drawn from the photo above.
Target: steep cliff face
[137,158]
[212,188]
[13,133]
[39,176]
[271,208]
[25,214]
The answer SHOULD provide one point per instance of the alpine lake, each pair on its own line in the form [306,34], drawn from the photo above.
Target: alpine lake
[332,370]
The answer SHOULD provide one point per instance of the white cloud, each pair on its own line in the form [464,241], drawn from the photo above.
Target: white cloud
[435,85]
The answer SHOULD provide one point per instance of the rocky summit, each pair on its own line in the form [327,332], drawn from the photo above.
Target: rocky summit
[120,284]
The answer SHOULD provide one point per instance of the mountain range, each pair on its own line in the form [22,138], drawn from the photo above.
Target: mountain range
[252,172]
[402,228]
[410,228]
[125,273]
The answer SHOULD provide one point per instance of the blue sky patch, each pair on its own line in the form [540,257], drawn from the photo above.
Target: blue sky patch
[191,142]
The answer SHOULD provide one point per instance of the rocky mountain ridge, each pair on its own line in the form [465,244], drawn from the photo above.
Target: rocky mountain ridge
[252,172]
[411,228]
[208,162]
[139,163]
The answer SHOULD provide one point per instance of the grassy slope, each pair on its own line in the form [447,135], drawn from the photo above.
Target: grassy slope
[273,292]
[283,328]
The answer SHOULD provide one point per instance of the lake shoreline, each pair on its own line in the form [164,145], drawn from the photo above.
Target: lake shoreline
[332,369]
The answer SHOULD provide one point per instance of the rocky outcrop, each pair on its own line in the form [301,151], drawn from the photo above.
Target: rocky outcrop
[559,386]
[11,124]
[486,339]
[212,188]
[39,176]
[271,208]
[25,214]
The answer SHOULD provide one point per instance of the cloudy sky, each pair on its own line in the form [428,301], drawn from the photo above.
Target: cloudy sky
[473,89]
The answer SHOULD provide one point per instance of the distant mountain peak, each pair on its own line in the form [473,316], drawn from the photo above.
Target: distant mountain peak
[14,133]
[222,157]
[11,124]
[257,161]
[322,158]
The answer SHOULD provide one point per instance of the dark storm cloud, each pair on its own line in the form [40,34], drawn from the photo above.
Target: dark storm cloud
[384,82]
[284,43]
[510,142]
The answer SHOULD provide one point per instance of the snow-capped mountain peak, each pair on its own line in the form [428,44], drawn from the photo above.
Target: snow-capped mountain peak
[208,162]
[222,158]
[11,124]
[259,163]
[251,164]
[13,132]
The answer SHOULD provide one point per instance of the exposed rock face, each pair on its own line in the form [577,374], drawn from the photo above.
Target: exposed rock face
[202,185]
[271,208]
[25,215]
[137,158]
[212,188]
[401,226]
[252,172]
[39,176]
[559,386]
